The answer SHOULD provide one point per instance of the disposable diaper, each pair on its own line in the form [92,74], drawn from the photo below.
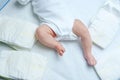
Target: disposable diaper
[18,34]
[104,27]
[22,65]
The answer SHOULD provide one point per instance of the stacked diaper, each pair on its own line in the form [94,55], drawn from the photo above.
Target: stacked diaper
[22,65]
[103,29]
[18,34]
[105,24]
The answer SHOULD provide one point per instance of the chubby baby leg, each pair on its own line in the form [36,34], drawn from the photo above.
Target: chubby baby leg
[46,36]
[81,31]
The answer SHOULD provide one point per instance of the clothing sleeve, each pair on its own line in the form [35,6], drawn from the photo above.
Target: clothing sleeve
[23,2]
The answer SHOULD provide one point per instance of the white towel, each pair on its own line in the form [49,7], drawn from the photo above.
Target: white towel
[22,65]
[105,25]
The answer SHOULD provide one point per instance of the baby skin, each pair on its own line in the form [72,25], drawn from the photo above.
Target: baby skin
[46,36]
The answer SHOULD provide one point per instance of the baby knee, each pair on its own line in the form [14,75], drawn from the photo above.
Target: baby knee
[39,32]
[77,21]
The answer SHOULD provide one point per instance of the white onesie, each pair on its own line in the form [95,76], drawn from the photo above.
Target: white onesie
[55,14]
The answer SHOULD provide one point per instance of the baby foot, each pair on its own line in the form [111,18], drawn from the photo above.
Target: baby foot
[90,60]
[60,49]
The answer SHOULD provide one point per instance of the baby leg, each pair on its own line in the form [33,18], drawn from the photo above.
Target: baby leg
[47,37]
[81,31]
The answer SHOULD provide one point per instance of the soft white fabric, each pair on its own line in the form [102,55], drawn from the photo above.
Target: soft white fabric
[108,60]
[17,33]
[70,37]
[22,65]
[113,6]
[104,26]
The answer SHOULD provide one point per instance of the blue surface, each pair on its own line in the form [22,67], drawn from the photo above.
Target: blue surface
[3,3]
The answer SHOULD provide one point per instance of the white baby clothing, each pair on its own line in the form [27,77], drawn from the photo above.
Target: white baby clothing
[53,13]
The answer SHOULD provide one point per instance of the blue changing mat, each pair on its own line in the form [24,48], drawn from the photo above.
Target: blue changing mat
[3,3]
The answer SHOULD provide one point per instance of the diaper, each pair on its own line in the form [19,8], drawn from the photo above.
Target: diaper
[105,24]
[17,33]
[113,6]
[22,65]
